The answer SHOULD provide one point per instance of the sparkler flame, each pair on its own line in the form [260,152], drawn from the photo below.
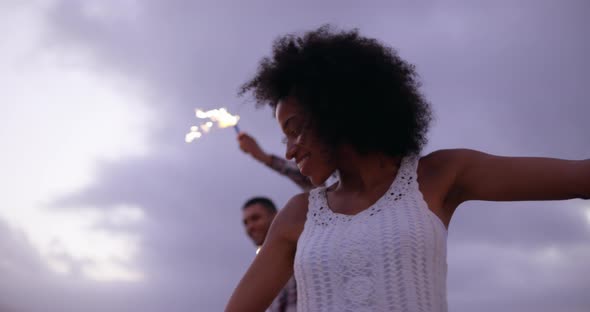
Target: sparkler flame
[220,116]
[223,118]
[206,127]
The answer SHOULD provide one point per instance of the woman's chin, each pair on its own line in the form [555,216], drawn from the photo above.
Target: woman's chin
[317,179]
[305,172]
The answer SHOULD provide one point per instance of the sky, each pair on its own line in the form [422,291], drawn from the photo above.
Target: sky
[105,207]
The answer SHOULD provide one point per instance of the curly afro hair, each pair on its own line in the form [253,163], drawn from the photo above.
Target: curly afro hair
[355,89]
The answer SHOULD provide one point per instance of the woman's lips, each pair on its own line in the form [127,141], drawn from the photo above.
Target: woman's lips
[301,163]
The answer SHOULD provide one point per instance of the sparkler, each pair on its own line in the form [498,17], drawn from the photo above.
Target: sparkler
[220,116]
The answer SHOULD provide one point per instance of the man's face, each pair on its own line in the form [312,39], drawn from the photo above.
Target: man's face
[257,220]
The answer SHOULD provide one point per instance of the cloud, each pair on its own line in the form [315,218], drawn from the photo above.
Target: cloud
[506,77]
[61,119]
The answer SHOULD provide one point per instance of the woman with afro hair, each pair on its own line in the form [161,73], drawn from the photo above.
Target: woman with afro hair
[376,239]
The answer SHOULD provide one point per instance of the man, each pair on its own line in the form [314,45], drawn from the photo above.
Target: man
[258,213]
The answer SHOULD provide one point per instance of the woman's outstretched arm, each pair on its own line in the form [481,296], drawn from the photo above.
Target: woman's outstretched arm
[481,176]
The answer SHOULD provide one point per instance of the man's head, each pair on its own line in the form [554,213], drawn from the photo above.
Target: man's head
[258,213]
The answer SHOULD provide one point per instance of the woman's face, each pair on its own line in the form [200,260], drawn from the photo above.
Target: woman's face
[312,157]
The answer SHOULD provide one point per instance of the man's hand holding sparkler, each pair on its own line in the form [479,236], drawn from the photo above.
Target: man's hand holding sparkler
[249,146]
[282,166]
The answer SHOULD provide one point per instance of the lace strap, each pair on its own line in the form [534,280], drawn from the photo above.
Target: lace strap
[410,166]
[411,172]
[315,200]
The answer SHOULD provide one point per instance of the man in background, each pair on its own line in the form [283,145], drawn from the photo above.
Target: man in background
[257,216]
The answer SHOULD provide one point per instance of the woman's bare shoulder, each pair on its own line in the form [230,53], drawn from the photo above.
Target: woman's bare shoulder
[442,163]
[290,220]
[442,156]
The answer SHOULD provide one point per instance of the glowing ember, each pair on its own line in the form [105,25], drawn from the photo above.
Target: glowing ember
[193,135]
[206,127]
[220,116]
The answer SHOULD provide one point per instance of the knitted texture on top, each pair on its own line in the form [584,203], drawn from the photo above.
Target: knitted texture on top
[389,257]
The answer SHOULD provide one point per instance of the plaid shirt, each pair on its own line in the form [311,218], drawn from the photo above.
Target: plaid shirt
[286,300]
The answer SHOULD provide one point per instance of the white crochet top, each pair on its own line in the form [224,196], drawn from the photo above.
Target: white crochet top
[389,257]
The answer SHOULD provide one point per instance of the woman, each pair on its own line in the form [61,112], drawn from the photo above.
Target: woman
[376,241]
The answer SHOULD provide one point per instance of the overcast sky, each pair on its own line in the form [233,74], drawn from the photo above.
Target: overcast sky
[104,207]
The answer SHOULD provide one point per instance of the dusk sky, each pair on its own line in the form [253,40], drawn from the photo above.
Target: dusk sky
[105,207]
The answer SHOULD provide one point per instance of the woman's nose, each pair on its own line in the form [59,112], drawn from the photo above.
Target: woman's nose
[291,150]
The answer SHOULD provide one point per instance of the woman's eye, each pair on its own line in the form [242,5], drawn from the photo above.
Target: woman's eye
[291,133]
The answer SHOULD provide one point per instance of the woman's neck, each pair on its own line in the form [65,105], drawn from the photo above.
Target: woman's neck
[362,173]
